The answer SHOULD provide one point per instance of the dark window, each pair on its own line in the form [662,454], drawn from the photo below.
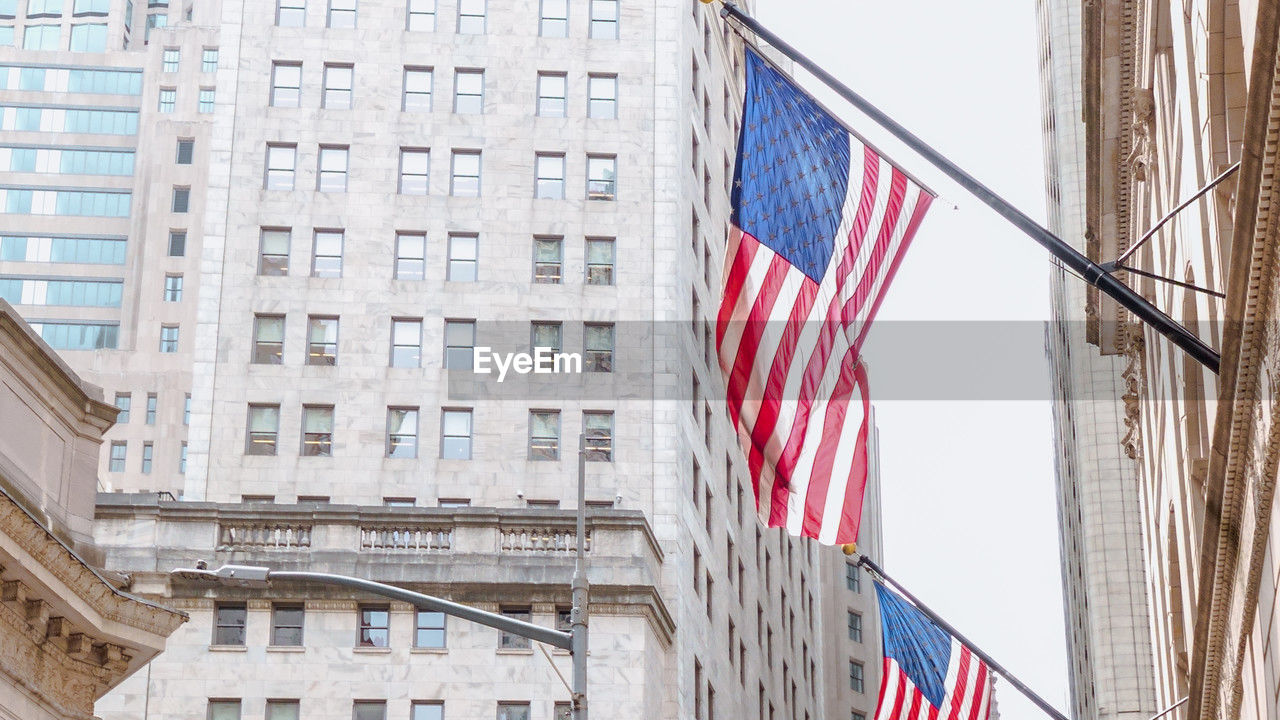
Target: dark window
[181,199]
[185,149]
[286,625]
[429,630]
[177,243]
[228,627]
[510,641]
[374,626]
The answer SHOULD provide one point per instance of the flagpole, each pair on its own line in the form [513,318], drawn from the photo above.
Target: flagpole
[869,564]
[1091,272]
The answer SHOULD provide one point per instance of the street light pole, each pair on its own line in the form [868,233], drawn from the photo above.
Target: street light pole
[578,615]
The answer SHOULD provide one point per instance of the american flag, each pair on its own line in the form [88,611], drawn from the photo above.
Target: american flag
[820,225]
[928,675]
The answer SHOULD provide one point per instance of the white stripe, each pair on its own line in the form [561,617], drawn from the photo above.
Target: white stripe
[838,488]
[742,308]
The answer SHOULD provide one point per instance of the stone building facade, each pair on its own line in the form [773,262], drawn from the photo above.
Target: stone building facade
[374,191]
[68,633]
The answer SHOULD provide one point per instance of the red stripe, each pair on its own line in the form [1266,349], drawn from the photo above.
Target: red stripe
[753,332]
[815,504]
[884,685]
[897,193]
[980,691]
[922,205]
[962,679]
[902,692]
[855,488]
[917,698]
[735,278]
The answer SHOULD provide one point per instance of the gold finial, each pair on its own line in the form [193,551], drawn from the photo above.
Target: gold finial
[850,548]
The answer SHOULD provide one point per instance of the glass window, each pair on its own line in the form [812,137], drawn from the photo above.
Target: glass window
[544,434]
[268,339]
[186,410]
[852,578]
[402,432]
[177,243]
[600,252]
[598,347]
[118,451]
[185,150]
[322,340]
[464,180]
[369,709]
[280,165]
[82,7]
[422,16]
[208,98]
[549,176]
[168,100]
[602,177]
[463,258]
[228,626]
[512,641]
[317,430]
[209,60]
[604,19]
[286,84]
[326,261]
[471,17]
[455,434]
[333,169]
[417,89]
[42,37]
[181,199]
[468,91]
[88,38]
[152,401]
[429,630]
[172,288]
[273,251]
[427,710]
[342,13]
[154,20]
[602,93]
[459,344]
[148,450]
[182,457]
[415,163]
[552,89]
[554,19]
[283,710]
[597,425]
[264,429]
[291,13]
[855,626]
[562,711]
[856,677]
[514,711]
[170,59]
[123,402]
[406,342]
[548,259]
[224,710]
[545,335]
[337,86]
[168,338]
[411,256]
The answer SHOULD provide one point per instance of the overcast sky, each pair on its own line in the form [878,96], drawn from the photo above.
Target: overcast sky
[969,517]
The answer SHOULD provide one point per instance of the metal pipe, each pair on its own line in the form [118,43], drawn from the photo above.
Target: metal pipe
[1160,223]
[1171,281]
[1092,273]
[1040,702]
[578,615]
[1170,709]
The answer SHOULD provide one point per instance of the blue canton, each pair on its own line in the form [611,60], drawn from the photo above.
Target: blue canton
[792,173]
[922,649]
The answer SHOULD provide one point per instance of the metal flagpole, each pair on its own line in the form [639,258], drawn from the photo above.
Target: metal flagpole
[868,563]
[578,615]
[1092,272]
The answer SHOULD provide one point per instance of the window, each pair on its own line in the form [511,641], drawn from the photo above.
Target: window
[548,176]
[342,13]
[181,199]
[369,709]
[326,260]
[286,84]
[552,89]
[89,37]
[152,401]
[553,20]
[510,641]
[291,13]
[224,710]
[422,16]
[604,19]
[322,340]
[427,710]
[852,579]
[337,85]
[283,710]
[468,91]
[459,344]
[417,89]
[41,37]
[855,626]
[402,432]
[428,629]
[471,17]
[454,502]
[601,177]
[123,402]
[185,149]
[545,335]
[280,163]
[317,430]
[455,434]
[286,626]
[207,98]
[464,181]
[374,626]
[177,243]
[514,711]
[414,166]
[118,453]
[463,258]
[406,342]
[544,434]
[562,711]
[856,682]
[600,261]
[228,625]
[168,338]
[168,100]
[411,254]
[548,259]
[332,166]
[273,252]
[209,60]
[82,7]
[169,60]
[597,347]
[186,409]
[602,96]
[855,715]
[182,458]
[597,425]
[268,339]
[263,431]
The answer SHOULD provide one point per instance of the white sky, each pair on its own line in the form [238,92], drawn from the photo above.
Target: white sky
[968,486]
